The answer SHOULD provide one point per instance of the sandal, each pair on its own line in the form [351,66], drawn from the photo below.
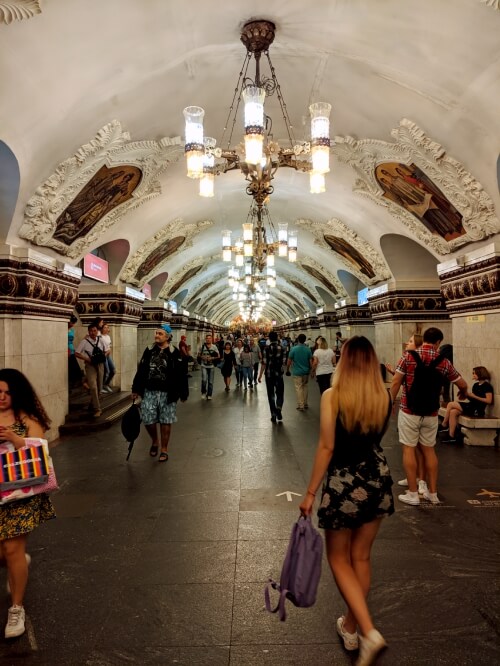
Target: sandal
[153,451]
[163,457]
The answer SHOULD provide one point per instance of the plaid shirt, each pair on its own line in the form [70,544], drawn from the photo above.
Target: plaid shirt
[273,358]
[407,365]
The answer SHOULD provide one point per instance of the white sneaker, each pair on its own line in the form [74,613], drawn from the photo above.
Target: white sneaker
[410,498]
[108,389]
[350,640]
[209,397]
[15,622]
[403,482]
[422,487]
[369,647]
[430,497]
[28,562]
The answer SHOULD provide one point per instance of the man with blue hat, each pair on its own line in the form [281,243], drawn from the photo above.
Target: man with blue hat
[160,380]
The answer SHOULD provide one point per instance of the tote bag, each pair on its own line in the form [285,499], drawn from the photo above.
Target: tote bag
[26,471]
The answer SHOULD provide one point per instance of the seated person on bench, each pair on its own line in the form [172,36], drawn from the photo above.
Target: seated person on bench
[479,398]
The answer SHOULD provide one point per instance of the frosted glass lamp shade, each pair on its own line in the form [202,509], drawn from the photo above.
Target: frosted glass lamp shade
[194,148]
[316,182]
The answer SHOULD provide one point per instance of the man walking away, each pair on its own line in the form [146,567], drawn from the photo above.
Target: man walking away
[300,360]
[273,361]
[92,351]
[207,357]
[160,380]
[421,373]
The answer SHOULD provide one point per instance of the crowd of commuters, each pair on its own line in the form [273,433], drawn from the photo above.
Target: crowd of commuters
[349,464]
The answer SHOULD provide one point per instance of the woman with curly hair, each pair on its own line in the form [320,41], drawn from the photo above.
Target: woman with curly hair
[21,415]
[357,491]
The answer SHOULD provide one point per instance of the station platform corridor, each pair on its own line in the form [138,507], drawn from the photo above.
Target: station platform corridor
[152,563]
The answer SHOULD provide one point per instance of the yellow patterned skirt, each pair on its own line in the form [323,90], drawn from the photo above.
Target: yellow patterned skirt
[22,517]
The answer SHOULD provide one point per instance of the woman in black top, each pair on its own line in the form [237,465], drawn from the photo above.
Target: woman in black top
[228,363]
[479,398]
[357,492]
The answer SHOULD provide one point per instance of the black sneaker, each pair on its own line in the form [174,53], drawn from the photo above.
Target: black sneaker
[443,428]
[273,419]
[279,416]
[449,440]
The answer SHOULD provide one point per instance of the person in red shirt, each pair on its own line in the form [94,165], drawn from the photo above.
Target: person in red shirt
[414,429]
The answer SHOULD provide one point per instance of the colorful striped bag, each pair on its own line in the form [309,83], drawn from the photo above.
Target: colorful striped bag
[27,471]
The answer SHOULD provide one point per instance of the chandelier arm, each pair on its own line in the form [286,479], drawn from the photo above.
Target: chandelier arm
[284,111]
[237,95]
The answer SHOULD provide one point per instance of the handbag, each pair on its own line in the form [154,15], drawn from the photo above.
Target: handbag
[26,471]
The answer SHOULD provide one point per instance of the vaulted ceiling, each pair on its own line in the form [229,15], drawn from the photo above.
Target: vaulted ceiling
[416,83]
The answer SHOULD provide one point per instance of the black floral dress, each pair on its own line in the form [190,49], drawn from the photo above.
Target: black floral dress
[358,486]
[23,516]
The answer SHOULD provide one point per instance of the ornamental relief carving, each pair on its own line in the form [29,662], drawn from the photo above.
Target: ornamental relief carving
[189,270]
[477,282]
[167,242]
[358,256]
[18,10]
[414,149]
[104,170]
[322,276]
[495,4]
[305,290]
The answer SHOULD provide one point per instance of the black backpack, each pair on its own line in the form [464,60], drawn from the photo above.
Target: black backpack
[423,397]
[98,355]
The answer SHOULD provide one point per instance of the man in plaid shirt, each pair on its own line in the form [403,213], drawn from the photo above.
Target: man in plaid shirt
[414,429]
[273,361]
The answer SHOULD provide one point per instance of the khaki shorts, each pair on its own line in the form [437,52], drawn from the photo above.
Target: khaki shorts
[414,429]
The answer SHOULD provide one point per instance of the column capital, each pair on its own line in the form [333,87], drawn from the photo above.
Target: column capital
[408,305]
[117,304]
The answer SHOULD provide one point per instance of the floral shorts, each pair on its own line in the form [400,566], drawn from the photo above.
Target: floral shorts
[156,409]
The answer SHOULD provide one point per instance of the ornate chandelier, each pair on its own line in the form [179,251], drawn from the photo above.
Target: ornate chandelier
[259,156]
[256,244]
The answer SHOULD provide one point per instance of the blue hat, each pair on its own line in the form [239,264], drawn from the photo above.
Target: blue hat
[166,328]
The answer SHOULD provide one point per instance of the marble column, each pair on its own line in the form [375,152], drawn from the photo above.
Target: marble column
[355,319]
[154,314]
[398,313]
[470,285]
[328,325]
[121,307]
[37,297]
[178,324]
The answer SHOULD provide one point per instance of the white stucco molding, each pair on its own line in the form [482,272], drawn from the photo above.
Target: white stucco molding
[319,268]
[18,10]
[413,146]
[185,274]
[336,227]
[491,3]
[110,147]
[173,229]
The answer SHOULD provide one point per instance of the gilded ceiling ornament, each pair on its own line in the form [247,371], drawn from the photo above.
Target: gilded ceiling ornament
[453,203]
[358,256]
[18,10]
[151,256]
[322,277]
[109,149]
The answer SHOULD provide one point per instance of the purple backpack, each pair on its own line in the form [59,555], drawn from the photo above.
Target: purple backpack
[301,569]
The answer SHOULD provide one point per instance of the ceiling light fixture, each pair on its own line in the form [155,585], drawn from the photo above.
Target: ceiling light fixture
[260,155]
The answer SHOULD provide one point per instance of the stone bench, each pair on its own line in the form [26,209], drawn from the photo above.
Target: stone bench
[477,431]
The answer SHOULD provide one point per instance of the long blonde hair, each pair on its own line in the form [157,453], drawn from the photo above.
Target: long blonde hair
[358,391]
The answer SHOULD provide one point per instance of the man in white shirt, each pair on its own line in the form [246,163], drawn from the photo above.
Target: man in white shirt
[92,350]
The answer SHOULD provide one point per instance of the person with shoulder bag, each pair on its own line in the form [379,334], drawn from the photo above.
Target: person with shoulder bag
[93,350]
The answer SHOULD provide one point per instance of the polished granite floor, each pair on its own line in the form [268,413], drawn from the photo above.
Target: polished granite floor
[166,564]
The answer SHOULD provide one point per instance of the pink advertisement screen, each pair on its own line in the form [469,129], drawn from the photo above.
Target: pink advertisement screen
[95,268]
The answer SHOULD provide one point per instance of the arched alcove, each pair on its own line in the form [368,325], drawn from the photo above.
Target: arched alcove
[325,296]
[409,261]
[179,297]
[351,283]
[310,306]
[9,188]
[116,253]
[157,283]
